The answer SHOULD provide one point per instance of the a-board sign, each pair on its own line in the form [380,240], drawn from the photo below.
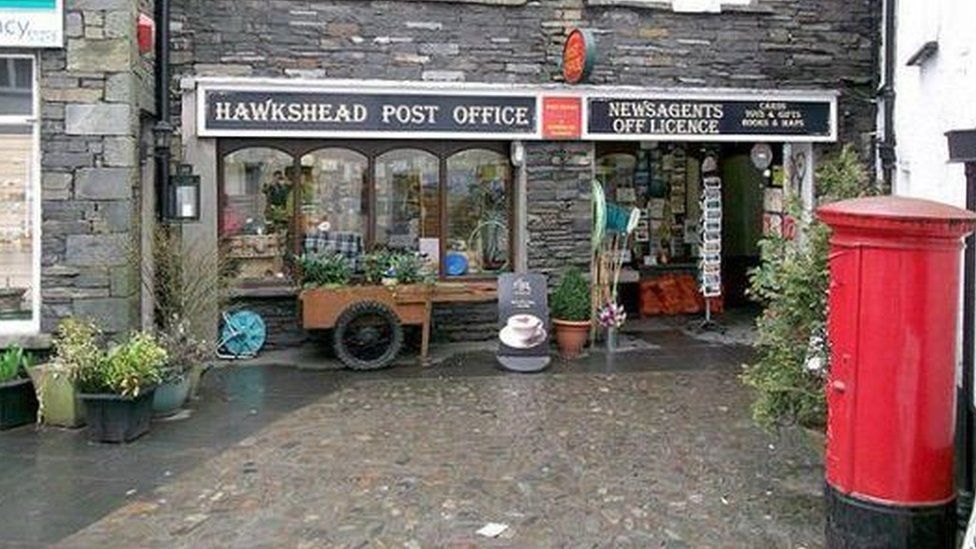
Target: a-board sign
[523,314]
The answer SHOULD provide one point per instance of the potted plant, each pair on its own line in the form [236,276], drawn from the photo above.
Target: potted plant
[188,285]
[612,317]
[571,313]
[119,386]
[18,404]
[325,270]
[75,345]
[184,355]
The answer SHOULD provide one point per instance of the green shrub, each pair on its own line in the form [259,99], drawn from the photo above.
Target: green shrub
[127,369]
[75,347]
[571,299]
[791,284]
[409,268]
[325,270]
[375,266]
[13,363]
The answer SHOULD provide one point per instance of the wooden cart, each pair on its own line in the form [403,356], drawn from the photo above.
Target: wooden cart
[367,320]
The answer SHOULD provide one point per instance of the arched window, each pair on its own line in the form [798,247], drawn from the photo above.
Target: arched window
[257,211]
[334,212]
[407,198]
[478,202]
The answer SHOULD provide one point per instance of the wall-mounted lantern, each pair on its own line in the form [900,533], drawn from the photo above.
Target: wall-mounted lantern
[183,195]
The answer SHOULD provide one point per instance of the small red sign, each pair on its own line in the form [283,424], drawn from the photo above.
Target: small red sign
[146,32]
[578,56]
[562,117]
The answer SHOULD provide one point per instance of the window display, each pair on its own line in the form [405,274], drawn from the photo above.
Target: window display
[258,205]
[477,212]
[286,199]
[407,198]
[334,202]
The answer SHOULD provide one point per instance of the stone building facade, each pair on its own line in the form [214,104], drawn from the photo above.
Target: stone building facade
[94,96]
[97,105]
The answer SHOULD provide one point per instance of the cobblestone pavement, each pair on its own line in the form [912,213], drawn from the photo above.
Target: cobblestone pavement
[650,449]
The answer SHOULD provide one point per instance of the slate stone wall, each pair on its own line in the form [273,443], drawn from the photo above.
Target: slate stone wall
[282,318]
[560,176]
[805,44]
[93,93]
[819,44]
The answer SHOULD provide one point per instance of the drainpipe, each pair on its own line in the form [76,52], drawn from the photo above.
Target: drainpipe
[163,129]
[962,149]
[886,148]
[964,411]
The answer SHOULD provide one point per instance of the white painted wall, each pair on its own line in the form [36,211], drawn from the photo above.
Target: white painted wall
[936,97]
[931,99]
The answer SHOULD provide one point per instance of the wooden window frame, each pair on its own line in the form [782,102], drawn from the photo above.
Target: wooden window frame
[372,149]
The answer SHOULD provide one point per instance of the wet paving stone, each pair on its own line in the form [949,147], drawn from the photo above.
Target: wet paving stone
[649,449]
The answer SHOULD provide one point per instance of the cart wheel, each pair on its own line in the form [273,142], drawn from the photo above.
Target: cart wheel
[367,336]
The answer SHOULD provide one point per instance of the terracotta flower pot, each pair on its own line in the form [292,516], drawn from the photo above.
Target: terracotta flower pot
[571,336]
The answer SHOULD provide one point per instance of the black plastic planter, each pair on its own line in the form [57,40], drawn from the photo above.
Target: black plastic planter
[115,418]
[18,403]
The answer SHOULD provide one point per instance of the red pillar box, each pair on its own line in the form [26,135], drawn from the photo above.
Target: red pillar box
[894,297]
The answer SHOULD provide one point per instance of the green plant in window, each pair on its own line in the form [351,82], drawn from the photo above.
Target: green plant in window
[325,270]
[14,363]
[571,299]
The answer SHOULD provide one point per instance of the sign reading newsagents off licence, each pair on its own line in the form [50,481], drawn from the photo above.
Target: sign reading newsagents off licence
[707,119]
[523,314]
[31,23]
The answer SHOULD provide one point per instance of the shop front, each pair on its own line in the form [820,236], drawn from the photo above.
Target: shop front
[488,179]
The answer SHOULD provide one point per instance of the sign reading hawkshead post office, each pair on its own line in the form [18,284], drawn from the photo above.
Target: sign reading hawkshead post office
[31,23]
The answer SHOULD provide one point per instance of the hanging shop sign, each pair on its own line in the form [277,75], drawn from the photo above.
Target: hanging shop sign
[523,314]
[579,56]
[31,23]
[562,117]
[709,120]
[352,114]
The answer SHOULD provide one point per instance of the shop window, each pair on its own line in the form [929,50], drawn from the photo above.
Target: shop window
[19,199]
[16,86]
[257,212]
[334,202]
[477,213]
[616,173]
[407,199]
